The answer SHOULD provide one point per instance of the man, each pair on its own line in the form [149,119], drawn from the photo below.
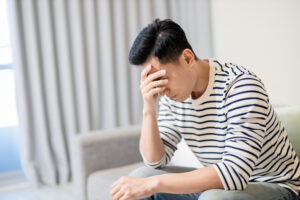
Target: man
[223,113]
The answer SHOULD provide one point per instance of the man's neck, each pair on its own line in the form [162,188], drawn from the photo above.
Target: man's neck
[202,71]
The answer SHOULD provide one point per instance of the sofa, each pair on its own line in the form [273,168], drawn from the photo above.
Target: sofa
[99,158]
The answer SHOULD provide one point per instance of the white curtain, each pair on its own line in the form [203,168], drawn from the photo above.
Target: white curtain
[72,73]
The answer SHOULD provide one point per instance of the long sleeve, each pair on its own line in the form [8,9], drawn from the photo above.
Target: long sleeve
[168,133]
[246,112]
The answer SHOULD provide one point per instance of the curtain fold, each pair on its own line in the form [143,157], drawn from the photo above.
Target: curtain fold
[72,73]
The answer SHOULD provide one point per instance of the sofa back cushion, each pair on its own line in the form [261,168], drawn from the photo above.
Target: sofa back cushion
[290,118]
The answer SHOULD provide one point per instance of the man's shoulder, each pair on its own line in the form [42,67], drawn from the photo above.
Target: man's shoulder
[232,69]
[230,72]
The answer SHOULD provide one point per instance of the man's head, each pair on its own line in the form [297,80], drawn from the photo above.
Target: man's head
[164,46]
[162,39]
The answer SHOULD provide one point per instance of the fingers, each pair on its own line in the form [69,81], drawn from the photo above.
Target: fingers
[113,191]
[153,77]
[156,91]
[154,84]
[118,195]
[145,72]
[151,81]
[162,93]
[114,184]
[114,188]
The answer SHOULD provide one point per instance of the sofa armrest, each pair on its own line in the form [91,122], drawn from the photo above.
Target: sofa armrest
[98,150]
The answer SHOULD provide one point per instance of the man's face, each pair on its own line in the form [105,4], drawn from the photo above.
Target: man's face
[179,85]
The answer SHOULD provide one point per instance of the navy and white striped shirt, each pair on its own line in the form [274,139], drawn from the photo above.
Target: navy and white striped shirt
[233,127]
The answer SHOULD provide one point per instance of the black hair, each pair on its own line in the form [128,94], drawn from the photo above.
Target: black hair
[163,39]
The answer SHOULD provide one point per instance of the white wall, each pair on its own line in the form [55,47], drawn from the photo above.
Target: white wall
[265,37]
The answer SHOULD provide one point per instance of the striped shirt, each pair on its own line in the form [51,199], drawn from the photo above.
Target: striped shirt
[233,127]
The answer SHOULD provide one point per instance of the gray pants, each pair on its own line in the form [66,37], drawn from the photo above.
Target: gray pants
[254,191]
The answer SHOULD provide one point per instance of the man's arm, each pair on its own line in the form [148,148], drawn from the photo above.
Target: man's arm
[167,134]
[202,179]
[189,182]
[151,145]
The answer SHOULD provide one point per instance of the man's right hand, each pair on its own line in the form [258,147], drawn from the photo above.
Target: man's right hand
[151,86]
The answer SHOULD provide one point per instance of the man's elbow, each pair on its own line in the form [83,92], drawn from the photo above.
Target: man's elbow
[154,164]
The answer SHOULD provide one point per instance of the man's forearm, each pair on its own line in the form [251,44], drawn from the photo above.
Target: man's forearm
[189,182]
[151,145]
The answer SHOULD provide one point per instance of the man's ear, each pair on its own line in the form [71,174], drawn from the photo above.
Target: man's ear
[188,57]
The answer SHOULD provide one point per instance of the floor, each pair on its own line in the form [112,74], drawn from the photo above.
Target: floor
[25,192]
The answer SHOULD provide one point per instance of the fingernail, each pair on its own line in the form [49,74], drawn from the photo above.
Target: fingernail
[163,71]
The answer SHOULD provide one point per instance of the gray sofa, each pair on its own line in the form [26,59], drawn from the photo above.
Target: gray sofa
[100,158]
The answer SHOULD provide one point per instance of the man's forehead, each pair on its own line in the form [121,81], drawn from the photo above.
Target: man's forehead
[156,66]
[153,67]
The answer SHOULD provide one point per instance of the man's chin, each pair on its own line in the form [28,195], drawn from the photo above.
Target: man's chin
[181,99]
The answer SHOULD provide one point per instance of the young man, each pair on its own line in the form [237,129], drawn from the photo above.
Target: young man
[223,113]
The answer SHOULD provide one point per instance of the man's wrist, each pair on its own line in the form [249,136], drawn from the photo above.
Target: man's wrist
[154,184]
[148,111]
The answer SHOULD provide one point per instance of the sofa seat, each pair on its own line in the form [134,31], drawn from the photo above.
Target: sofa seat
[100,181]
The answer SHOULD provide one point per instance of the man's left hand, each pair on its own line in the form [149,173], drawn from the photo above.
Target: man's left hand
[127,188]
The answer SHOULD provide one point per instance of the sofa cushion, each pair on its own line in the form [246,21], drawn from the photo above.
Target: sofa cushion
[290,118]
[98,184]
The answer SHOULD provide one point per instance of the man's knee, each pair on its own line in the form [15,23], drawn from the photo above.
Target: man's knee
[213,194]
[219,194]
[160,196]
[145,171]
